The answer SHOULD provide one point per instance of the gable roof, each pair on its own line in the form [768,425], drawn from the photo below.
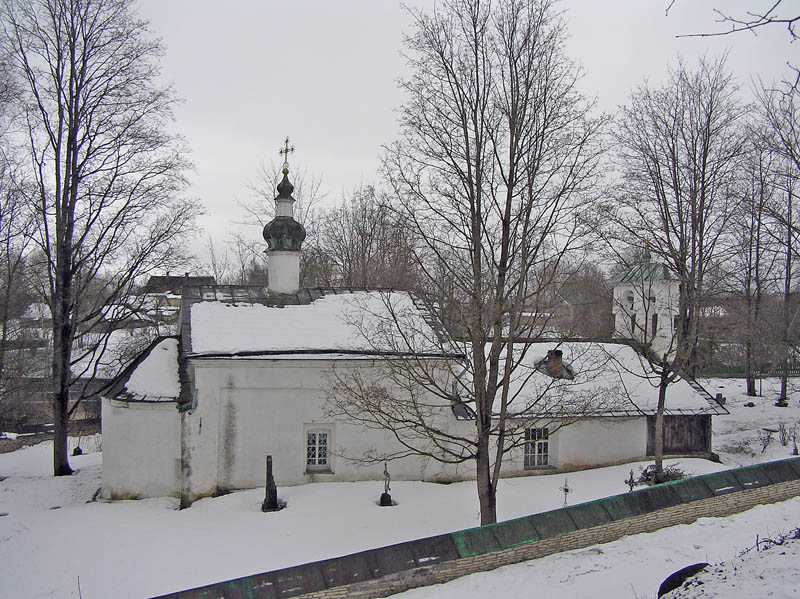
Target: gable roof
[152,377]
[608,379]
[645,271]
[238,321]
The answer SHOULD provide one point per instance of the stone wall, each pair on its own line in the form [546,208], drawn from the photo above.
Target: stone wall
[396,568]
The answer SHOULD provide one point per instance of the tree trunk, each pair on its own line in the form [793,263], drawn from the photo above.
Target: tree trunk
[659,429]
[4,319]
[61,465]
[787,296]
[749,373]
[487,497]
[62,353]
[60,414]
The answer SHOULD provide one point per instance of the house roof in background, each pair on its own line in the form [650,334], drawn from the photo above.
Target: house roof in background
[173,284]
[644,271]
[37,311]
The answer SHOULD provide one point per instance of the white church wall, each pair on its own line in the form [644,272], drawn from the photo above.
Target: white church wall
[247,409]
[251,408]
[644,300]
[601,441]
[585,443]
[200,436]
[144,458]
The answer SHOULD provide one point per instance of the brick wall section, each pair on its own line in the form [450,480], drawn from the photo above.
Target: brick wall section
[396,568]
[723,505]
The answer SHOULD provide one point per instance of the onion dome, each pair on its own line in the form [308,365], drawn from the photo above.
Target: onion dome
[285,188]
[283,232]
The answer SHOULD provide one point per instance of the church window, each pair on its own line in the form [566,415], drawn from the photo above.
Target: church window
[654,324]
[317,450]
[537,447]
[628,299]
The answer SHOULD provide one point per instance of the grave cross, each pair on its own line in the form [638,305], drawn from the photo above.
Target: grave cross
[386,499]
[631,482]
[566,490]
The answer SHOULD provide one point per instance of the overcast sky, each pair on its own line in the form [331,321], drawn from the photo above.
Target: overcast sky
[324,73]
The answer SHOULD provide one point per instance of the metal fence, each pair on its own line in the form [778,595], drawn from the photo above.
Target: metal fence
[762,371]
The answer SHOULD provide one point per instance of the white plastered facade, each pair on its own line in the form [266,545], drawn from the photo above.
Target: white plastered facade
[247,409]
[141,449]
[635,305]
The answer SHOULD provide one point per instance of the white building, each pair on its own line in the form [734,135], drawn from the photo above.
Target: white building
[645,304]
[252,369]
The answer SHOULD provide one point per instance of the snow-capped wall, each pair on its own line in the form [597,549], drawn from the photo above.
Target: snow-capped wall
[142,458]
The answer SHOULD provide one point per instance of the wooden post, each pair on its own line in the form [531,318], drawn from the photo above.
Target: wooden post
[271,499]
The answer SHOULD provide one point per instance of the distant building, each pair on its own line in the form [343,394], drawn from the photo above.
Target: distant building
[171,284]
[161,298]
[645,304]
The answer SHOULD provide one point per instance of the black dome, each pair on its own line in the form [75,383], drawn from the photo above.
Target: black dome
[285,188]
[284,233]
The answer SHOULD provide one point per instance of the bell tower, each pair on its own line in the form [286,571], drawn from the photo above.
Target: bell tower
[284,236]
[645,304]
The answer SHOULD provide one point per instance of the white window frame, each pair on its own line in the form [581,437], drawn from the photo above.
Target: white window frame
[537,448]
[314,463]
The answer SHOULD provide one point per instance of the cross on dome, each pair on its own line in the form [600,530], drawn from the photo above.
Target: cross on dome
[285,151]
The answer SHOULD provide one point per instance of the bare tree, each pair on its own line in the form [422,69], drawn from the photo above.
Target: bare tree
[679,148]
[15,296]
[367,244]
[107,171]
[769,13]
[15,230]
[498,150]
[751,269]
[582,302]
[781,114]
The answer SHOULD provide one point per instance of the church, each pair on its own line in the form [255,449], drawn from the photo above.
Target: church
[251,370]
[645,304]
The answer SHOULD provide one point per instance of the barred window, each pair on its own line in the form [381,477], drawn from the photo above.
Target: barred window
[317,455]
[537,447]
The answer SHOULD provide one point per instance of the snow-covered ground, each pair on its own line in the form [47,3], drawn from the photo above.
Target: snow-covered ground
[736,437]
[56,542]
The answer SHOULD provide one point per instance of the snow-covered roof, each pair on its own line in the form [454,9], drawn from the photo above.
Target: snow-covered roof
[153,376]
[366,322]
[37,311]
[608,379]
[157,374]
